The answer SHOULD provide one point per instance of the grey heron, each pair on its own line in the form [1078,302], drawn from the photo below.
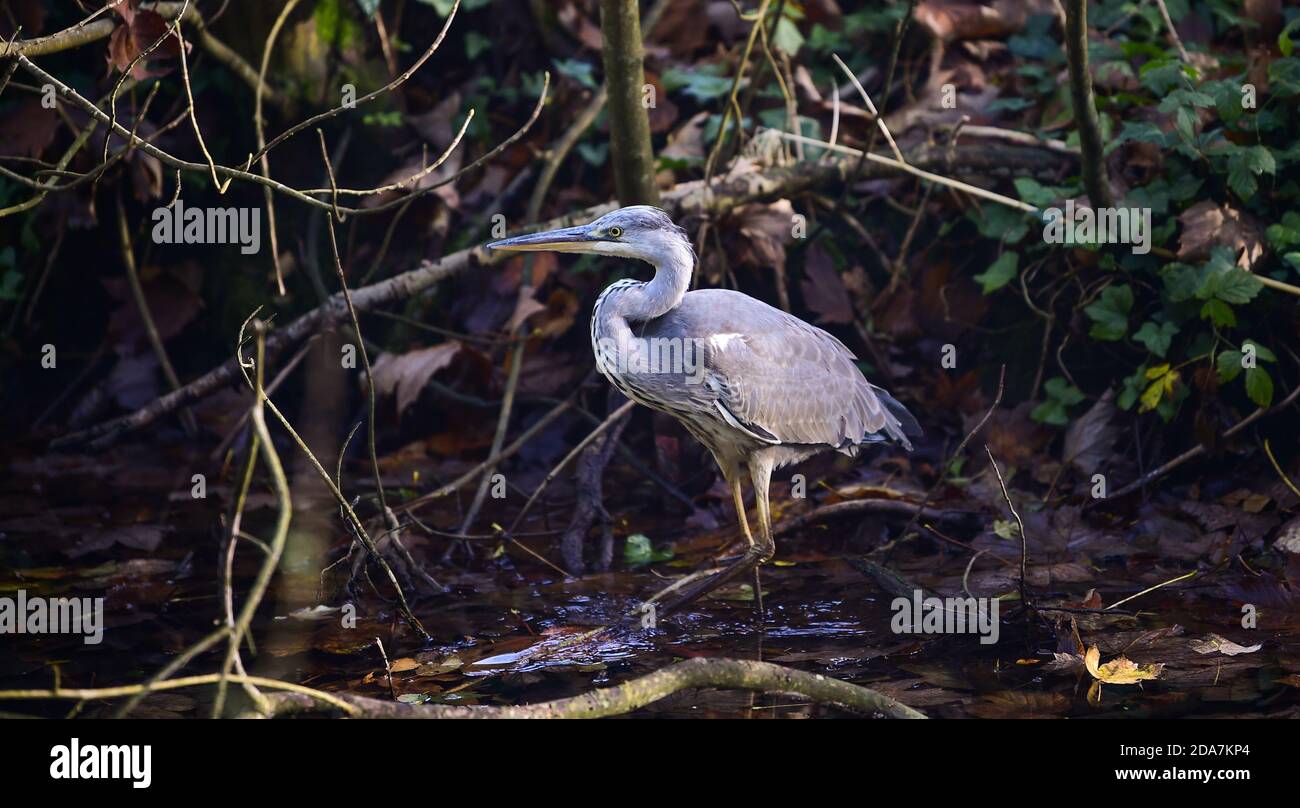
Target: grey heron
[759,387]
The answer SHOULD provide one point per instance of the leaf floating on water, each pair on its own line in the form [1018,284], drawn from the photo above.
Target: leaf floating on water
[1121,670]
[318,612]
[1215,642]
[414,698]
[639,550]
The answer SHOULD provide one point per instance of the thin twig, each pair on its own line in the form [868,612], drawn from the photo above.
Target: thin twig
[1199,449]
[146,317]
[1024,540]
[492,461]
[943,473]
[389,517]
[1173,32]
[354,521]
[1184,577]
[279,536]
[1269,451]
[880,122]
[259,126]
[88,694]
[609,421]
[974,190]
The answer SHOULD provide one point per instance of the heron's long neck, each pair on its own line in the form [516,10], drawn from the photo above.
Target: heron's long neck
[629,301]
[673,261]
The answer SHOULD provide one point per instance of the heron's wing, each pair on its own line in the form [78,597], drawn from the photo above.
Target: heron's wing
[782,379]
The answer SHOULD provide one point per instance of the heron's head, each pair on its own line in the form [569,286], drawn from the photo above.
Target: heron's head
[637,231]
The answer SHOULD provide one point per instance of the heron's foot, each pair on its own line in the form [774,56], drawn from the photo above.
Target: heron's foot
[750,560]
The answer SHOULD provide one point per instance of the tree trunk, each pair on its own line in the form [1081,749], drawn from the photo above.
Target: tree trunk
[629,123]
[1085,107]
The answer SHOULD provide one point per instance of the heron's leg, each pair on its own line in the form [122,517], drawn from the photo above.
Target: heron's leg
[752,556]
[738,497]
[760,474]
[754,550]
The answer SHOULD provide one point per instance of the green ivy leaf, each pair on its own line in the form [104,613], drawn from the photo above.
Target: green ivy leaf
[1229,365]
[582,72]
[1000,273]
[1245,163]
[1039,195]
[1050,412]
[1221,279]
[1219,313]
[1156,337]
[1260,351]
[1110,313]
[1259,386]
[1000,222]
[1131,389]
[1060,389]
[704,83]
[1061,395]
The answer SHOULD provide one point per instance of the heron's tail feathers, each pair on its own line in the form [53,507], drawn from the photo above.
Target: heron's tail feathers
[906,421]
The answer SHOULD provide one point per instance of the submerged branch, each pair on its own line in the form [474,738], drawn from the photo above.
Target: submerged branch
[738,674]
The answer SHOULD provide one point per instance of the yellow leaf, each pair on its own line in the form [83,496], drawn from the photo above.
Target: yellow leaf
[1151,397]
[1119,671]
[1161,388]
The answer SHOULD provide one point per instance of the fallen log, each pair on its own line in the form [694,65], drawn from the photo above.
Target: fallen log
[740,674]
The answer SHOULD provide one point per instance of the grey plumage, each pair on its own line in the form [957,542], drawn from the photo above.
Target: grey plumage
[759,387]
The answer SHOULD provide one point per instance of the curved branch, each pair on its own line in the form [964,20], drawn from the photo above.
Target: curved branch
[738,674]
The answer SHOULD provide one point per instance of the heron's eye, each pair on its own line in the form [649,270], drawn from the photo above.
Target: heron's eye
[615,232]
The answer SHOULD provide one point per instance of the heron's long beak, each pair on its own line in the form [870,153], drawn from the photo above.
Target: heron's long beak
[566,239]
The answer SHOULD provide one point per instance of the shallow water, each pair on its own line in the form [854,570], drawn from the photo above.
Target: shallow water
[82,526]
